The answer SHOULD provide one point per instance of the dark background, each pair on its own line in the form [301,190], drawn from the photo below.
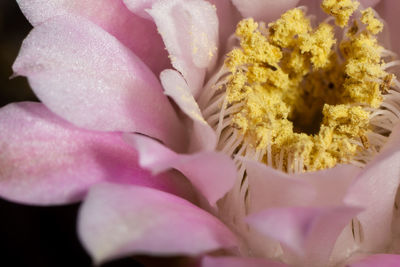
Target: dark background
[38,236]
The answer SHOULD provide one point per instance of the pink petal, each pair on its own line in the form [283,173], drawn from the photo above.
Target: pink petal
[264,10]
[45,160]
[212,173]
[190,33]
[307,232]
[239,262]
[203,136]
[369,3]
[271,188]
[138,34]
[389,11]
[117,221]
[375,189]
[86,76]
[139,7]
[228,17]
[384,260]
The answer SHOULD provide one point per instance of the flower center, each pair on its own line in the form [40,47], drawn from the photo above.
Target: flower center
[300,98]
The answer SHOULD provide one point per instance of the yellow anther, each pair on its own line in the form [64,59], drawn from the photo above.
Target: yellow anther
[341,10]
[297,94]
[374,25]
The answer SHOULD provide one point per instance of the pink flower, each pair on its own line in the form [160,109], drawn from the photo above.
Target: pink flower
[152,175]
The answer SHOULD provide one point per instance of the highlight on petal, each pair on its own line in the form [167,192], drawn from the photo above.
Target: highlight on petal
[86,76]
[307,232]
[263,10]
[138,34]
[386,260]
[116,221]
[239,262]
[139,7]
[202,135]
[190,33]
[212,173]
[375,189]
[45,160]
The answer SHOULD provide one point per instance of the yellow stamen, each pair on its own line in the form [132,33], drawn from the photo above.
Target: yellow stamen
[301,96]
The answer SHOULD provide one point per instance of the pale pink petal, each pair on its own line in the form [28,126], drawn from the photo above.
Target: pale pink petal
[86,76]
[307,234]
[202,135]
[369,3]
[45,160]
[190,33]
[239,262]
[384,260]
[389,11]
[375,189]
[264,10]
[271,188]
[139,7]
[212,173]
[138,34]
[228,17]
[331,185]
[116,221]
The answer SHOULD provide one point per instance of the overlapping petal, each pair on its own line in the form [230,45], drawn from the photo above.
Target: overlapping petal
[116,221]
[308,234]
[263,10]
[190,33]
[86,76]
[202,136]
[212,173]
[375,189]
[45,160]
[138,34]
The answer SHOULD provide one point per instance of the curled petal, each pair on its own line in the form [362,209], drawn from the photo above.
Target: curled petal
[307,232]
[45,160]
[263,10]
[86,76]
[139,7]
[190,33]
[239,262]
[203,136]
[138,34]
[116,221]
[212,173]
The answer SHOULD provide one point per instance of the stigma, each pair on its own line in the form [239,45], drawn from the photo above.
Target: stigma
[301,97]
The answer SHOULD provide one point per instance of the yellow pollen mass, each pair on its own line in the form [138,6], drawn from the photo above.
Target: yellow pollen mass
[374,25]
[341,10]
[300,92]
